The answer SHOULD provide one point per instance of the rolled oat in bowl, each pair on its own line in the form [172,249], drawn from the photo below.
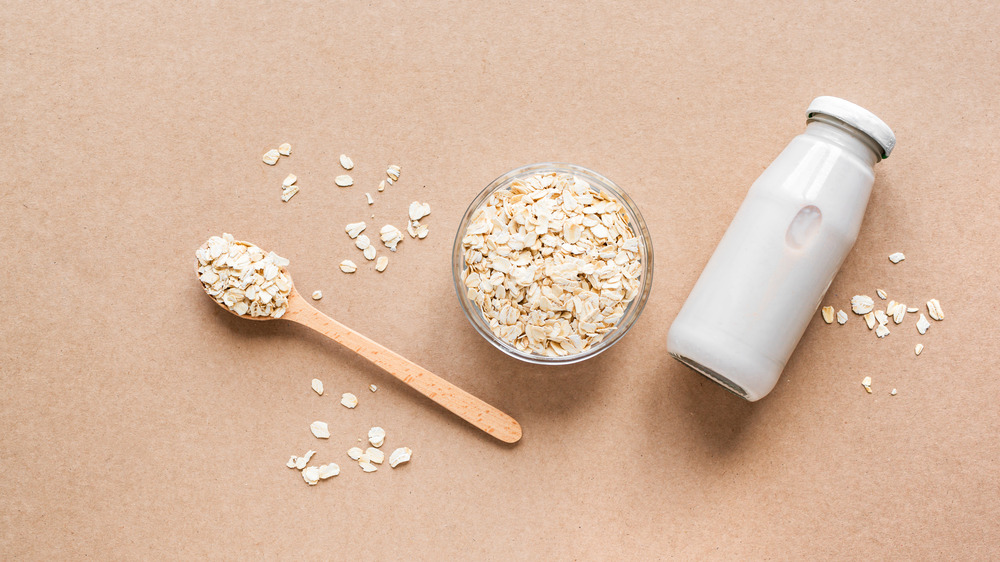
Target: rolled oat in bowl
[551,263]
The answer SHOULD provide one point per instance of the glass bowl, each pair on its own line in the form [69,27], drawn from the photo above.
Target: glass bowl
[635,221]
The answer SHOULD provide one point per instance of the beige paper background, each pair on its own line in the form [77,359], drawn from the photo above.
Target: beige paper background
[138,420]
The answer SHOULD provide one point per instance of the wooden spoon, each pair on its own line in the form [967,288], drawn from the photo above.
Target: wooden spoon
[458,401]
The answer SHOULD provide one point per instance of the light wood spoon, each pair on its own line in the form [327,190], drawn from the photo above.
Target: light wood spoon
[458,401]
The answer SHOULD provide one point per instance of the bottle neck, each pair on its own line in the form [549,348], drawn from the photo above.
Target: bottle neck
[839,132]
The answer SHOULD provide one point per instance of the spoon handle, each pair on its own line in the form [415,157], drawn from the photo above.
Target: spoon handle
[458,401]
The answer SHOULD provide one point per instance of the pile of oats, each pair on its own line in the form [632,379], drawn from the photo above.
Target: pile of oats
[243,277]
[552,264]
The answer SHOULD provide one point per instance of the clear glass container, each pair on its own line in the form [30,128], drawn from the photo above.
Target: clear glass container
[636,222]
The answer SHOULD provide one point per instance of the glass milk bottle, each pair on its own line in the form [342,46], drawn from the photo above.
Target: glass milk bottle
[775,262]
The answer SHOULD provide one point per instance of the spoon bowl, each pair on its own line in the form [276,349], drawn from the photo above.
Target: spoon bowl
[466,406]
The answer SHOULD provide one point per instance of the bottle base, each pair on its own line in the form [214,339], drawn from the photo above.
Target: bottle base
[713,376]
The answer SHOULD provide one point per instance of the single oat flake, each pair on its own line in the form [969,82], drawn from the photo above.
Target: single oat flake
[897,257]
[344,180]
[918,349]
[376,436]
[399,456]
[289,180]
[271,157]
[368,197]
[349,400]
[841,317]
[367,466]
[828,314]
[370,253]
[328,470]
[374,455]
[862,304]
[381,264]
[881,294]
[912,309]
[355,453]
[893,393]
[347,266]
[311,475]
[870,320]
[882,330]
[899,313]
[355,228]
[867,383]
[289,192]
[934,309]
[285,149]
[320,430]
[881,317]
[346,162]
[317,385]
[381,185]
[922,324]
[362,242]
[418,211]
[300,462]
[372,387]
[317,295]
[391,236]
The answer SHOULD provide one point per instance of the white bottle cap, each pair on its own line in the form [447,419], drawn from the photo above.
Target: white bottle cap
[857,117]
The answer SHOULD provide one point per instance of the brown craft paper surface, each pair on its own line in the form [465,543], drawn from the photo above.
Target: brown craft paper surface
[138,420]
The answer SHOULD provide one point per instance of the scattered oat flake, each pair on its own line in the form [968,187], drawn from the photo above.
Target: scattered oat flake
[882,330]
[419,210]
[301,462]
[289,180]
[899,313]
[881,317]
[881,294]
[376,436]
[367,466]
[271,157]
[399,456]
[362,242]
[317,385]
[355,453]
[381,185]
[841,317]
[291,462]
[320,430]
[381,264]
[347,266]
[912,309]
[285,149]
[391,236]
[893,393]
[317,295]
[918,349]
[828,314]
[370,253]
[346,162]
[344,180]
[349,400]
[374,455]
[935,310]
[870,320]
[922,324]
[867,383]
[368,196]
[372,387]
[355,228]
[311,475]
[328,470]
[393,173]
[862,304]
[289,192]
[897,257]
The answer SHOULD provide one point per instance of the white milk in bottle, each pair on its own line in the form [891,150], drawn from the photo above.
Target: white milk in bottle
[754,299]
